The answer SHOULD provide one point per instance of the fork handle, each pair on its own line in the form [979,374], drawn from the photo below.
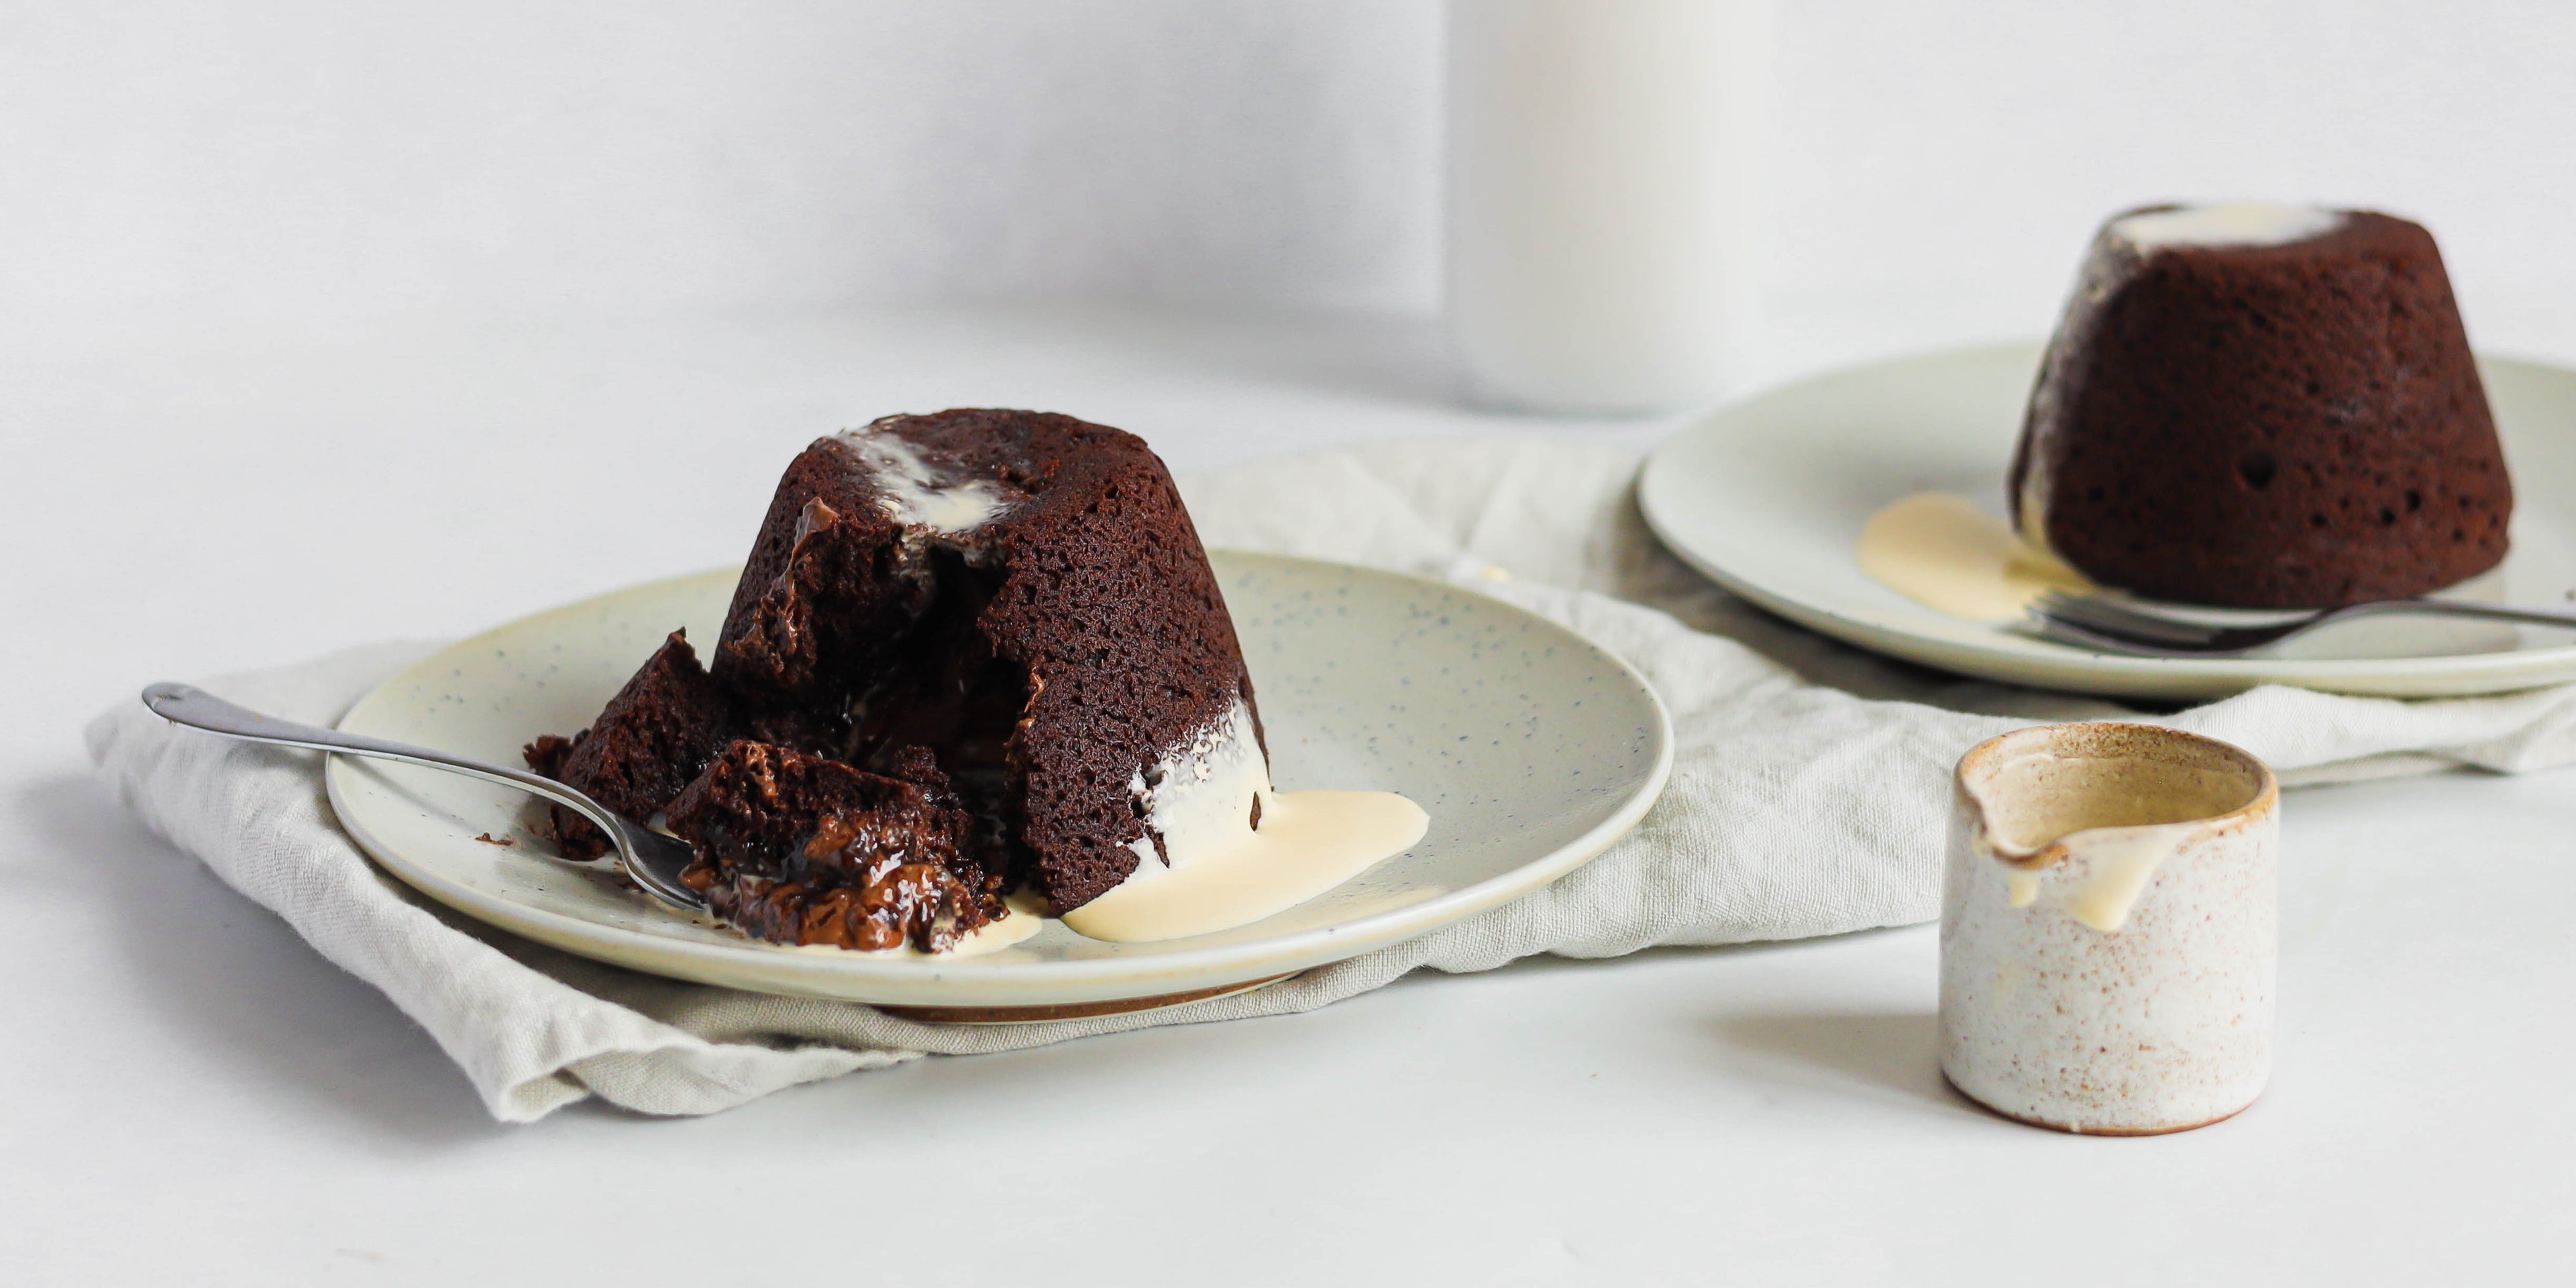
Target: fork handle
[198,709]
[2459,608]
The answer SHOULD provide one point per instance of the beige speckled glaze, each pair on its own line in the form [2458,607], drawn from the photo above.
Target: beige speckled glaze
[2109,929]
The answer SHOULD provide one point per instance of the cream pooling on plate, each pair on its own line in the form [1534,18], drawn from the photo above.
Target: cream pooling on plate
[1222,849]
[1944,553]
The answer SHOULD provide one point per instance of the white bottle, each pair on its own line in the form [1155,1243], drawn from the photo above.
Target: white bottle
[1601,166]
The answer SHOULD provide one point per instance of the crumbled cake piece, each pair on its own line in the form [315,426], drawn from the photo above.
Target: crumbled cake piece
[796,848]
[653,737]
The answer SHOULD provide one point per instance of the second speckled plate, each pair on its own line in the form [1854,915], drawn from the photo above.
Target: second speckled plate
[1767,497]
[1531,749]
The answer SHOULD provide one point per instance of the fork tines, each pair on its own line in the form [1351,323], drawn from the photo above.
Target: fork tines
[2097,616]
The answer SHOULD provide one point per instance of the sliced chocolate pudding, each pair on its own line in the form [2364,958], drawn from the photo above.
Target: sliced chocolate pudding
[971,652]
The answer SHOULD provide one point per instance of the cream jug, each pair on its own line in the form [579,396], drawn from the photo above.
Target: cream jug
[2109,929]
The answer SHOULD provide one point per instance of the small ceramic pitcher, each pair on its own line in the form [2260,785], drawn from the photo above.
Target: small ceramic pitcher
[2108,928]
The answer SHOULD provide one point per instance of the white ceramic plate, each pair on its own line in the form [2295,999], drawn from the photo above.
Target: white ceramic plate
[1531,749]
[1768,497]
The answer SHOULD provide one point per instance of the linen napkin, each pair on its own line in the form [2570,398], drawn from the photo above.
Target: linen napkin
[1808,795]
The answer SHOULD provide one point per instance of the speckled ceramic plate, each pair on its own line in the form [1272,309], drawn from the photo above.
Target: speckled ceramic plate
[1531,749]
[1768,497]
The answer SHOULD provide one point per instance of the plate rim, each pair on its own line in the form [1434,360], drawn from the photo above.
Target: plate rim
[2047,663]
[928,981]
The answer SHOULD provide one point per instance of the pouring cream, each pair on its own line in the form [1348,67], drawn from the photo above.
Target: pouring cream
[1944,553]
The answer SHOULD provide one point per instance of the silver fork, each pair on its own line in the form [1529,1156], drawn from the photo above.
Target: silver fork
[2090,621]
[648,858]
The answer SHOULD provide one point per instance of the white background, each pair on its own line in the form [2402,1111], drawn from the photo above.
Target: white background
[324,323]
[303,158]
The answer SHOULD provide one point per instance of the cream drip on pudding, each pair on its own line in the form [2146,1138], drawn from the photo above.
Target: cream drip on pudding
[2238,223]
[916,493]
[1222,849]
[1201,794]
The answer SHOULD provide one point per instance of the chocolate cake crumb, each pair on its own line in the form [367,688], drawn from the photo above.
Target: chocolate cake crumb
[652,738]
[797,848]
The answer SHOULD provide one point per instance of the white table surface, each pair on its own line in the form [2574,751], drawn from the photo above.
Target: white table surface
[193,1096]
